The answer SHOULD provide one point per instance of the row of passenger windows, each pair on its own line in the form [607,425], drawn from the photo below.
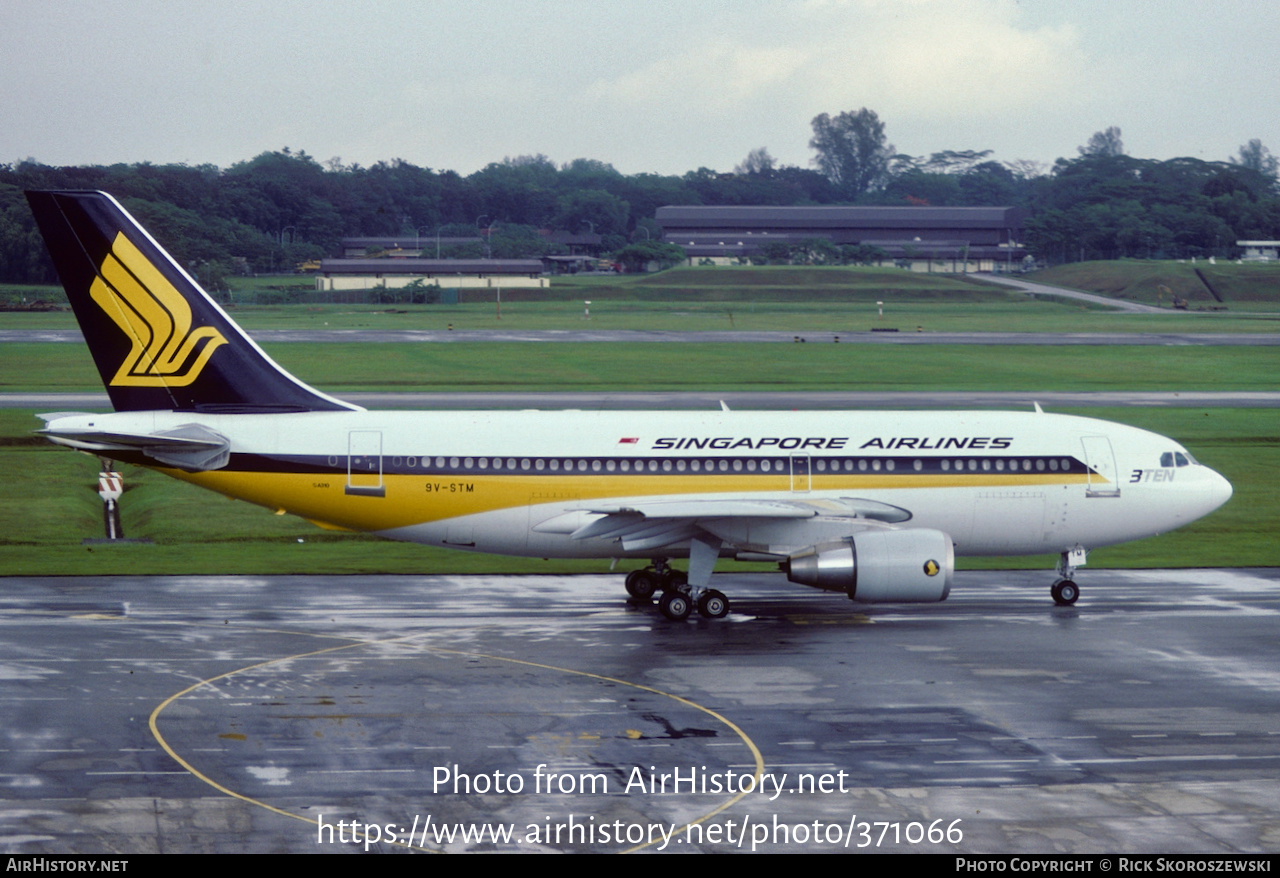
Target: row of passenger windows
[763,465]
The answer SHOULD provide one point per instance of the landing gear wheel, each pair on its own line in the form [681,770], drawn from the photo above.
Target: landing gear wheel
[713,604]
[673,580]
[1065,592]
[675,605]
[641,584]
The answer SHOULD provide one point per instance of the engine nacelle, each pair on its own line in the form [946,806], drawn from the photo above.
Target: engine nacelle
[880,566]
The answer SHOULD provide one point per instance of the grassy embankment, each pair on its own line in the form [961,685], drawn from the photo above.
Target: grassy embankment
[1243,287]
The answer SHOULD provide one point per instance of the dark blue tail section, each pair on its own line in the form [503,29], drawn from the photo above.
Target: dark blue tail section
[159,341]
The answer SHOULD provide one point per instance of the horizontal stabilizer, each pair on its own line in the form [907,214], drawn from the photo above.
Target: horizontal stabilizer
[190,447]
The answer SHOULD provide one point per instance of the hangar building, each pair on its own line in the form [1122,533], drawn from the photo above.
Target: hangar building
[940,239]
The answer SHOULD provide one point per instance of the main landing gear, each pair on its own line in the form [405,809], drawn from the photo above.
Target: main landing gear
[677,598]
[1065,592]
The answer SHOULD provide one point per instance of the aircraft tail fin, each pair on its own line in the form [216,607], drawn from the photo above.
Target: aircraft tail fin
[159,341]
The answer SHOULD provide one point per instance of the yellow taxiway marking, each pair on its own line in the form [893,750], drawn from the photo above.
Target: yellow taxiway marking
[153,722]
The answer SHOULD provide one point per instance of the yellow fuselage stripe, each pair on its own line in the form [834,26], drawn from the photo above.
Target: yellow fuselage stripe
[418,499]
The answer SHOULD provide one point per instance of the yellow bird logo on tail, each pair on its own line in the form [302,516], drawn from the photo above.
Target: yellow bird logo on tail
[155,316]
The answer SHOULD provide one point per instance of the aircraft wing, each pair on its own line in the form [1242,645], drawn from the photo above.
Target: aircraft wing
[767,527]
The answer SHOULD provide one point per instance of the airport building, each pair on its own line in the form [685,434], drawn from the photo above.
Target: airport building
[1259,251]
[394,261]
[937,239]
[374,273]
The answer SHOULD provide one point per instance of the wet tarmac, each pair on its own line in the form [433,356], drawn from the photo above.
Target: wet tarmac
[264,714]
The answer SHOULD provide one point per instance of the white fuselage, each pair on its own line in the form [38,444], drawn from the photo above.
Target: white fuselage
[523,482]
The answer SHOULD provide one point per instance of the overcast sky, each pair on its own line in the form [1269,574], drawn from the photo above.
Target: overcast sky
[647,86]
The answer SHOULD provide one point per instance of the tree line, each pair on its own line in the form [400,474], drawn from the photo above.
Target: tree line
[279,209]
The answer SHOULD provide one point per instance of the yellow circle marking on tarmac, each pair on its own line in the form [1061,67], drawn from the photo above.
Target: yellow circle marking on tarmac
[155,729]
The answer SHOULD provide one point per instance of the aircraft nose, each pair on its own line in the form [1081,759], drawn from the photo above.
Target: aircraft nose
[1203,492]
[1220,489]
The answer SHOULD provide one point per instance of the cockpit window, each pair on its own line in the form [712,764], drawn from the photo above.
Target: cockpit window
[1176,458]
[1181,459]
[1166,459]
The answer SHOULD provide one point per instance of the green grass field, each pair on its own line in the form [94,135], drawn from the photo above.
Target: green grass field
[787,299]
[484,366]
[1012,313]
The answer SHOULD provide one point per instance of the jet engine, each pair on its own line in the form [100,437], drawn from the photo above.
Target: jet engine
[878,566]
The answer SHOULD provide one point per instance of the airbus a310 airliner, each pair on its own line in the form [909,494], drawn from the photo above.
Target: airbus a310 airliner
[872,504]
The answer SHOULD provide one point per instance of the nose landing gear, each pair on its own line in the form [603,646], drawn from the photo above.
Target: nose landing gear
[1065,592]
